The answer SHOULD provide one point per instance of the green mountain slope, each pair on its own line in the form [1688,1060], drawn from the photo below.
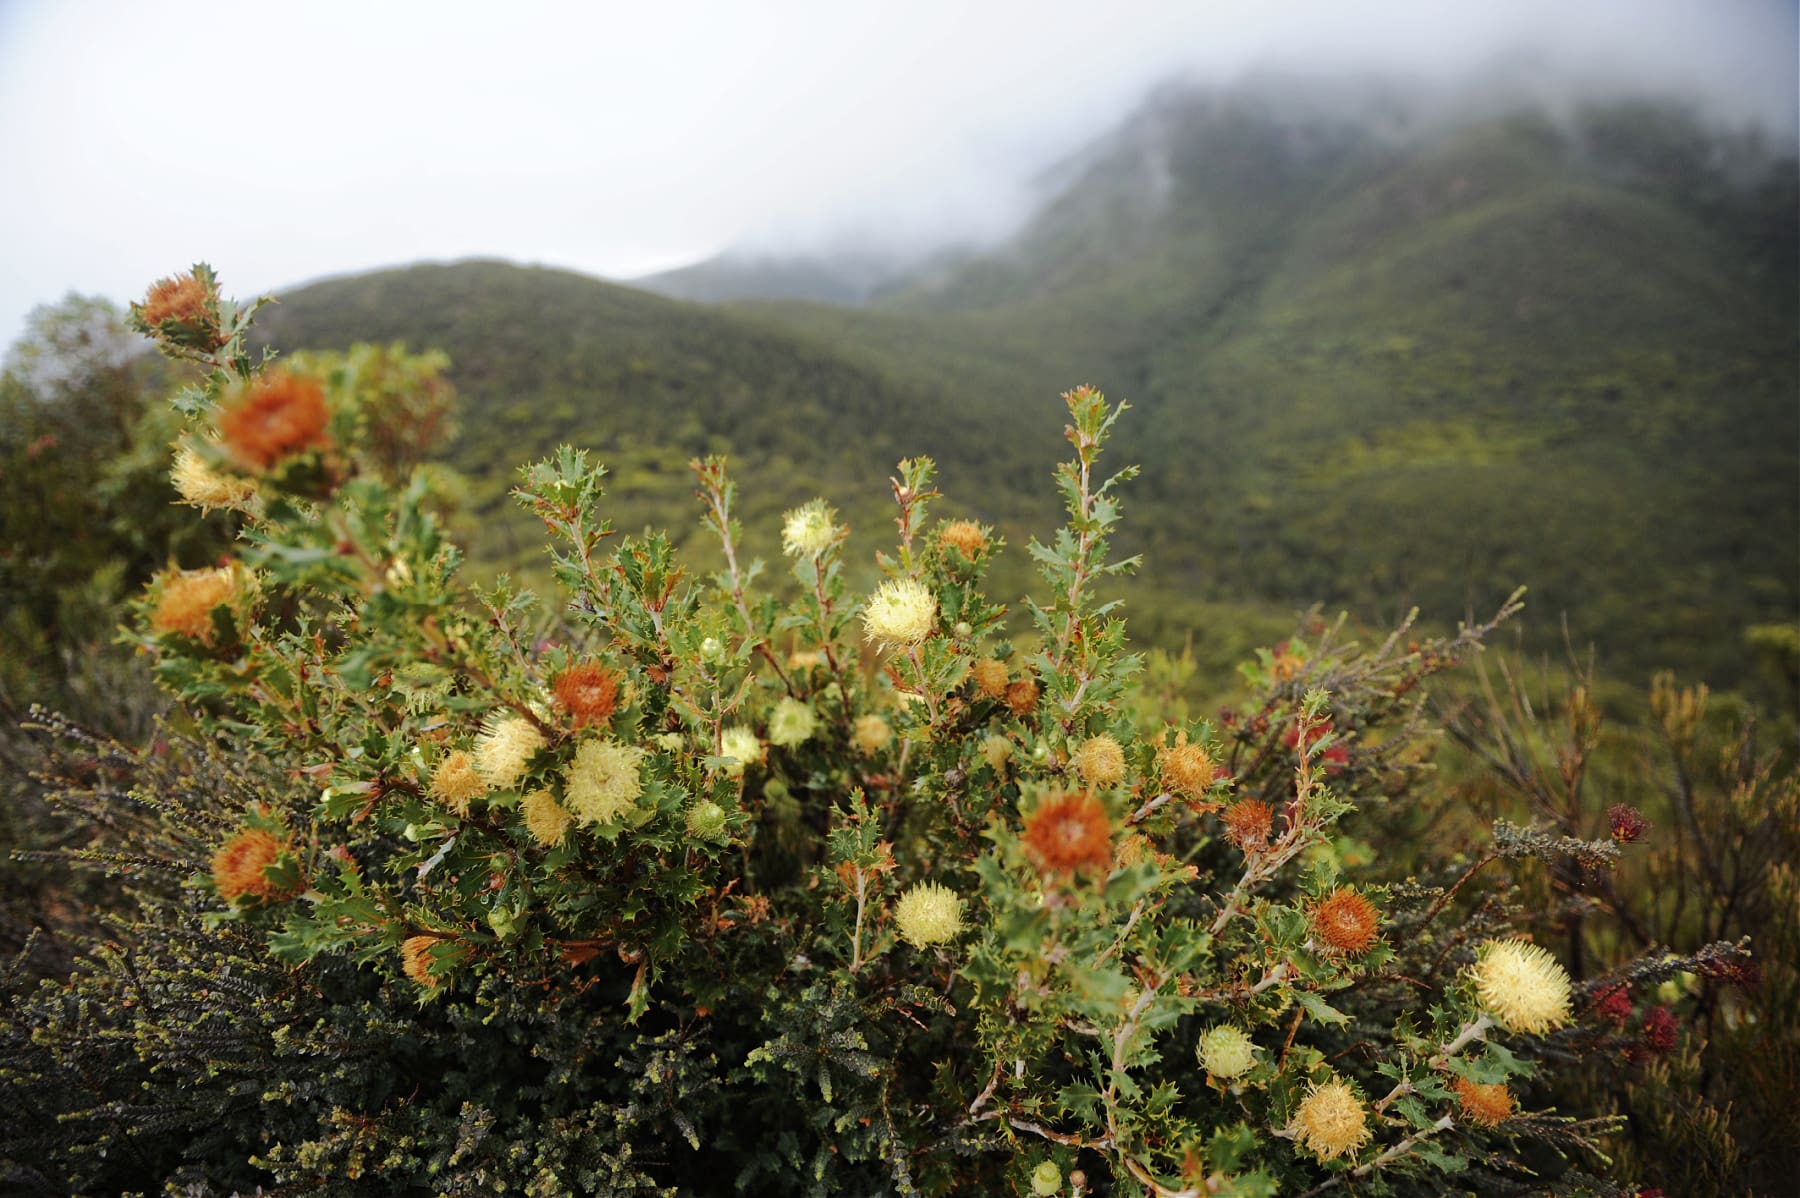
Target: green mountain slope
[1373,366]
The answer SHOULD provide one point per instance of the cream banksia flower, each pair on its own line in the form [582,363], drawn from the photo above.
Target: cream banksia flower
[1100,761]
[1226,1052]
[205,488]
[546,819]
[706,820]
[871,735]
[1331,1120]
[1522,986]
[900,614]
[456,782]
[791,723]
[928,914]
[603,780]
[504,749]
[740,743]
[809,529]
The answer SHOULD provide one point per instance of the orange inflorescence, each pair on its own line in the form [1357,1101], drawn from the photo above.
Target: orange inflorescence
[990,677]
[182,298]
[1070,832]
[1486,1105]
[1346,921]
[415,958]
[187,601]
[589,692]
[280,415]
[1248,824]
[1100,760]
[1022,697]
[1187,769]
[966,536]
[238,864]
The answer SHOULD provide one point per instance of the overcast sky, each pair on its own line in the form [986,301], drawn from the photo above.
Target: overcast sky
[286,142]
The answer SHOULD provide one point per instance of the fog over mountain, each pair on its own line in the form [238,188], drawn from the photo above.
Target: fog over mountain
[338,137]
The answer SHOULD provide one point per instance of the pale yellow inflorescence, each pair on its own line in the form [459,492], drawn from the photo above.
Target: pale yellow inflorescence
[603,780]
[206,488]
[1331,1120]
[871,735]
[809,529]
[1226,1052]
[546,819]
[1100,761]
[900,613]
[791,723]
[740,743]
[928,914]
[456,782]
[1522,986]
[504,749]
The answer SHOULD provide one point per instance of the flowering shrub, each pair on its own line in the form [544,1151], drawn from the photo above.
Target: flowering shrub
[683,884]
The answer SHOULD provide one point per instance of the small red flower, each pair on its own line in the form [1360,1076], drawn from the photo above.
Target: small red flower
[1615,1007]
[1660,1032]
[1627,823]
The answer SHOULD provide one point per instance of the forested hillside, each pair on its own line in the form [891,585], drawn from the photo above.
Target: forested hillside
[1377,362]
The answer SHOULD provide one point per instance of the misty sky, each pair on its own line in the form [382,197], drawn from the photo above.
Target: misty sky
[286,142]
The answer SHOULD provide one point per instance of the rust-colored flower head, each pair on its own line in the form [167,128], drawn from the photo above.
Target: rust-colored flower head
[1485,1106]
[238,865]
[965,536]
[187,599]
[1100,761]
[990,677]
[274,417]
[589,692]
[183,310]
[415,959]
[1287,665]
[1188,770]
[1627,823]
[1069,832]
[1022,697]
[1346,922]
[1249,824]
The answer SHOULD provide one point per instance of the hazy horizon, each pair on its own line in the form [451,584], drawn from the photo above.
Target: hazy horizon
[620,145]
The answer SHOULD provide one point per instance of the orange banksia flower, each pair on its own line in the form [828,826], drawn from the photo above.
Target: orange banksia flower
[1100,761]
[1187,769]
[966,536]
[1069,832]
[276,417]
[238,864]
[187,601]
[990,677]
[1485,1105]
[589,692]
[184,310]
[1248,824]
[1346,921]
[415,959]
[1022,697]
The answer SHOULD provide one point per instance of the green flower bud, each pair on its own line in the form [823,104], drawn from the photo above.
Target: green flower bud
[1046,1179]
[706,821]
[1226,1052]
